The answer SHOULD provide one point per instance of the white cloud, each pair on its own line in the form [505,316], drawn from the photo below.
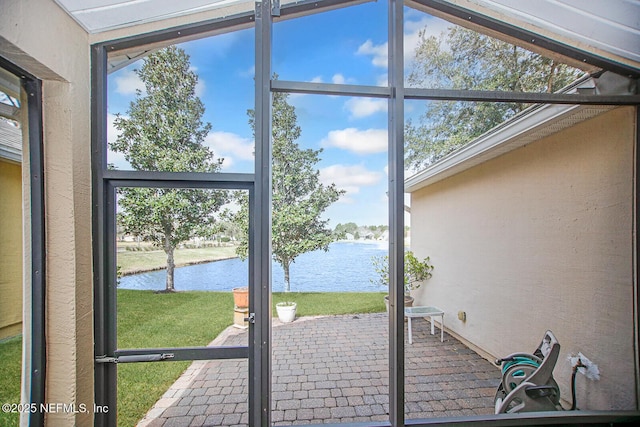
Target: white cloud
[127,82]
[200,87]
[200,84]
[230,146]
[338,79]
[349,178]
[358,141]
[412,28]
[117,159]
[112,132]
[364,107]
[432,26]
[344,199]
[378,52]
[228,162]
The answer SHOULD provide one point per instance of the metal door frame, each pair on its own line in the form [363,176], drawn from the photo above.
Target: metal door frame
[34,350]
[105,183]
[107,352]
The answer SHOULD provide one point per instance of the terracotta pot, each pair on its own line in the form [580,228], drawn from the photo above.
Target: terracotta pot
[241,297]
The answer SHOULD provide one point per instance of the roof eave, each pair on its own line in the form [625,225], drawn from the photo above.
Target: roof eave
[11,154]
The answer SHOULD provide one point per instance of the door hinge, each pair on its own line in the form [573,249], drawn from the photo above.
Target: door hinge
[251,318]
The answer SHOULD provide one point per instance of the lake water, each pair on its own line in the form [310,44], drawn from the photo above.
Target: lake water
[346,267]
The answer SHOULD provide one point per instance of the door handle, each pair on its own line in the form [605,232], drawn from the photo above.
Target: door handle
[136,358]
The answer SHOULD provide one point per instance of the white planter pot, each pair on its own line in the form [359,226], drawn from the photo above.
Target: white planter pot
[286,312]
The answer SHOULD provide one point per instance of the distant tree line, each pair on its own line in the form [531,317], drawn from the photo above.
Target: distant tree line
[361,232]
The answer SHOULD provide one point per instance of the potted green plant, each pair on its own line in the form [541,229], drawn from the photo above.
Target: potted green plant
[286,311]
[415,272]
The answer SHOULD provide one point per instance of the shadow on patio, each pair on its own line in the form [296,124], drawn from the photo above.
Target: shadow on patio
[333,369]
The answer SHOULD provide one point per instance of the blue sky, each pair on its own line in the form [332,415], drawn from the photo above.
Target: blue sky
[342,46]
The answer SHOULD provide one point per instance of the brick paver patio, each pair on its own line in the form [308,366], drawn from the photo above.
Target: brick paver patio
[333,369]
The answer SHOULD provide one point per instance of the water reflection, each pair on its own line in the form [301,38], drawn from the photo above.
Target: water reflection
[346,267]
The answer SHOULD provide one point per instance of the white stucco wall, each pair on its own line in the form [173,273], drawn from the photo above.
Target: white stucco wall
[39,37]
[542,238]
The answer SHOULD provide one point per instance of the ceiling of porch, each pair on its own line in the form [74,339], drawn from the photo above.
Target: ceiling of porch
[102,15]
[610,30]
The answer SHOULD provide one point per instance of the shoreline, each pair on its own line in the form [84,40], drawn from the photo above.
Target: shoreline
[178,265]
[224,258]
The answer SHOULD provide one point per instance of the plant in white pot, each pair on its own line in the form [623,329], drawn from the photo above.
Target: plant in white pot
[286,311]
[415,272]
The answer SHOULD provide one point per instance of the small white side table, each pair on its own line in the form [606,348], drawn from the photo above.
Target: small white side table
[422,311]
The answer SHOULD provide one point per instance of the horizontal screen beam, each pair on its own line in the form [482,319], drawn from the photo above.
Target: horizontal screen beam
[188,353]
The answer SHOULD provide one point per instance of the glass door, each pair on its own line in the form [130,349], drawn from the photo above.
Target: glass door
[174,315]
[176,158]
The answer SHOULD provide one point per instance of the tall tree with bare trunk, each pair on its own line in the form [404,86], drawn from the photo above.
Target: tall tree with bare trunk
[298,197]
[163,131]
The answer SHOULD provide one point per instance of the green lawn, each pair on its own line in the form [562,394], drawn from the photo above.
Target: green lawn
[137,261]
[317,303]
[10,363]
[182,319]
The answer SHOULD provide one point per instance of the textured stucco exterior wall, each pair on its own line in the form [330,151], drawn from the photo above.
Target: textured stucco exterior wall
[10,249]
[541,238]
[39,37]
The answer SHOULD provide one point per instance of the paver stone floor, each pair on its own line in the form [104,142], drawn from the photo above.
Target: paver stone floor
[333,369]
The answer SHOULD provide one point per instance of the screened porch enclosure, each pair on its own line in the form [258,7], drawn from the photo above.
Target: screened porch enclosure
[392,103]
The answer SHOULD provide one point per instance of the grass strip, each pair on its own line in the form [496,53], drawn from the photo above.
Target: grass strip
[10,366]
[331,303]
[132,262]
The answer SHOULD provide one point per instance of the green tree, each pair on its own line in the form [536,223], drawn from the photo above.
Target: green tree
[164,132]
[464,59]
[298,197]
[342,229]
